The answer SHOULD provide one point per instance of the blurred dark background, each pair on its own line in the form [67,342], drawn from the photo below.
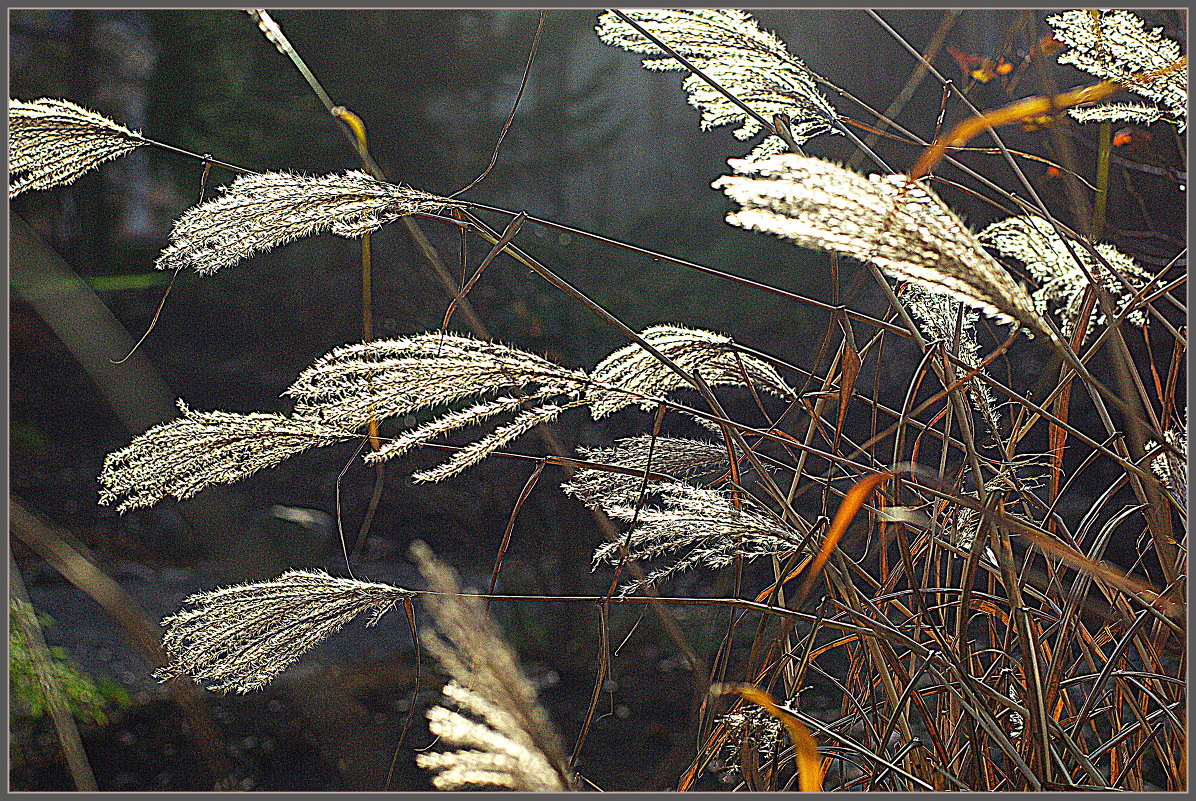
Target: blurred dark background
[597,143]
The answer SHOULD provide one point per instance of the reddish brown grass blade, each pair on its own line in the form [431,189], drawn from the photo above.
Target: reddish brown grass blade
[852,501]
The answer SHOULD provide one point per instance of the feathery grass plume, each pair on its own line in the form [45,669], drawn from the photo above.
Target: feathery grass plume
[729,47]
[392,377]
[240,638]
[634,370]
[1117,46]
[1117,112]
[961,524]
[53,142]
[258,212]
[182,456]
[749,727]
[697,526]
[509,741]
[890,221]
[670,456]
[1172,470]
[1035,242]
[940,314]
[398,376]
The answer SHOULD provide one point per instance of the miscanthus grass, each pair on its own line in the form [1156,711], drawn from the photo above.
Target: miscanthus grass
[995,650]
[240,638]
[259,212]
[1063,273]
[346,388]
[729,46]
[53,142]
[489,713]
[895,223]
[1118,46]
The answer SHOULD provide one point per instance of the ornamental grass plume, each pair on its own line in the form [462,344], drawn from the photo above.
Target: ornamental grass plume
[1033,241]
[180,457]
[893,222]
[731,49]
[53,142]
[259,212]
[401,376]
[1117,46]
[240,638]
[669,456]
[694,526]
[502,737]
[635,371]
[946,320]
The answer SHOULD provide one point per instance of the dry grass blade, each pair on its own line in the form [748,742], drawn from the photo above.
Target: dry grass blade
[1035,242]
[888,220]
[180,457]
[53,142]
[1117,46]
[508,742]
[731,49]
[259,212]
[240,638]
[634,370]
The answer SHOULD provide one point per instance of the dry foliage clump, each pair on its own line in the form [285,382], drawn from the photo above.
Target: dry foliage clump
[978,553]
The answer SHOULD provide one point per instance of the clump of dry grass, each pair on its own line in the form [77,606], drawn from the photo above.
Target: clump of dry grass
[967,658]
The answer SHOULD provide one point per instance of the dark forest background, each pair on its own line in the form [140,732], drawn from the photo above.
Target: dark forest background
[597,143]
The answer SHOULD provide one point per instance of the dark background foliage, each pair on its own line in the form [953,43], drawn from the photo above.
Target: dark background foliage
[597,143]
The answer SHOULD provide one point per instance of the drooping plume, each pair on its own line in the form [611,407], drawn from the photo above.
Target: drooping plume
[391,377]
[714,356]
[694,526]
[1035,242]
[945,319]
[240,638]
[259,212]
[180,457]
[668,456]
[896,224]
[501,735]
[1117,46]
[53,142]
[729,47]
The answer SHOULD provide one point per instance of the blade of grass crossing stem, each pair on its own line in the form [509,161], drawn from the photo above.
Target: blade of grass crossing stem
[847,511]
